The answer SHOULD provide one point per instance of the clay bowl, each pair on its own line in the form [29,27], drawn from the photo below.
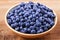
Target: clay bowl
[30,35]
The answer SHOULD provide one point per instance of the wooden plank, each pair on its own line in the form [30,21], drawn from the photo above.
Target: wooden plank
[7,34]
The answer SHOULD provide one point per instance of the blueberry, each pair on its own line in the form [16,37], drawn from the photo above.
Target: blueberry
[15,14]
[33,31]
[20,14]
[20,17]
[11,14]
[47,25]
[40,31]
[37,17]
[22,20]
[32,27]
[8,16]
[16,24]
[49,20]
[33,16]
[13,25]
[27,24]
[26,18]
[32,23]
[38,10]
[29,30]
[13,21]
[33,12]
[38,23]
[52,23]
[45,28]
[16,11]
[21,27]
[40,19]
[30,17]
[33,20]
[37,28]
[21,9]
[9,21]
[44,23]
[26,14]
[45,15]
[17,18]
[35,7]
[12,17]
[25,29]
[22,31]
[17,28]
[19,23]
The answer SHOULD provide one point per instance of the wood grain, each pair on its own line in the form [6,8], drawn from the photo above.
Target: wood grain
[7,34]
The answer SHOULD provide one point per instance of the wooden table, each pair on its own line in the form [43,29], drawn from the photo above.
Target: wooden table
[7,34]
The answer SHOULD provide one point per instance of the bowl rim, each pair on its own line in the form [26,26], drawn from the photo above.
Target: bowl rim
[26,33]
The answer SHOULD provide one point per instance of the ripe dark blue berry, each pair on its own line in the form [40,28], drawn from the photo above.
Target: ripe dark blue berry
[40,30]
[33,31]
[17,28]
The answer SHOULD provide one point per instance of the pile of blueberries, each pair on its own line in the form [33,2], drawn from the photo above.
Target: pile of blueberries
[31,18]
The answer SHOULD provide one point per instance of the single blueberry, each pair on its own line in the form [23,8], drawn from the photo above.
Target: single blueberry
[38,10]
[33,31]
[32,27]
[15,14]
[44,23]
[19,23]
[52,23]
[45,28]
[30,17]
[25,29]
[40,31]
[26,18]
[32,23]
[9,21]
[22,20]
[29,30]
[12,17]
[37,28]
[8,16]
[21,17]
[21,27]
[17,19]
[27,24]
[40,19]
[49,20]
[33,16]
[13,21]
[45,15]
[47,25]
[16,11]
[38,23]
[13,25]
[33,20]
[22,31]
[11,14]
[17,28]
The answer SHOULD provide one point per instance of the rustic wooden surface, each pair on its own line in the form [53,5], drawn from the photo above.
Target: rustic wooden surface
[7,34]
